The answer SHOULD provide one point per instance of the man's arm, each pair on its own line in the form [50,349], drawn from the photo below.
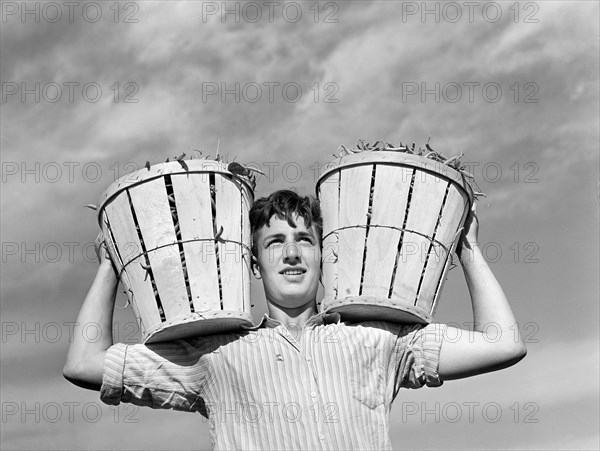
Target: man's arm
[495,342]
[85,358]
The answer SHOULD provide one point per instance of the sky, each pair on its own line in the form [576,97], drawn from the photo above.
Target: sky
[91,91]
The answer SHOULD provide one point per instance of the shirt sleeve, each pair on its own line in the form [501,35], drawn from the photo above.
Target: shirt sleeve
[418,353]
[174,375]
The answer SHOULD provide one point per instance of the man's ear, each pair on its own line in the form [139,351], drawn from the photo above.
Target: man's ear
[255,268]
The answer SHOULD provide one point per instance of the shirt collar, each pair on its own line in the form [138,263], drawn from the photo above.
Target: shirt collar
[315,320]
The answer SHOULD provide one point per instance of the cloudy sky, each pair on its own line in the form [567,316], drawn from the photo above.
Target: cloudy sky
[90,91]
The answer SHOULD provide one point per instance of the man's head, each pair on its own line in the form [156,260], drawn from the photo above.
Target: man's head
[286,232]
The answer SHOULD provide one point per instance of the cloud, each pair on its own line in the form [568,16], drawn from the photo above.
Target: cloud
[366,61]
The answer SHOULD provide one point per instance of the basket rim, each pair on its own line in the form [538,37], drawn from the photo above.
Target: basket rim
[160,170]
[235,319]
[396,158]
[333,304]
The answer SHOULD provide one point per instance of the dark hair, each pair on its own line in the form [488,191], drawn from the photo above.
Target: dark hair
[285,204]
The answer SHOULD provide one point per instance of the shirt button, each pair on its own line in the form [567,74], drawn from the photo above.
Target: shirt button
[321,437]
[314,394]
[308,359]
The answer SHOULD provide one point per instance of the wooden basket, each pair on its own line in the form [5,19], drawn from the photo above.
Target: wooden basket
[179,235]
[391,222]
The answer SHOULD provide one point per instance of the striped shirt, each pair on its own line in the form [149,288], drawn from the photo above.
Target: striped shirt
[262,389]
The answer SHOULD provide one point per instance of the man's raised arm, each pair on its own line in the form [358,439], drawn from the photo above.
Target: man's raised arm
[85,358]
[495,342]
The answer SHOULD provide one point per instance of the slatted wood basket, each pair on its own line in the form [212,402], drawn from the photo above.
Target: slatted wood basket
[179,236]
[391,222]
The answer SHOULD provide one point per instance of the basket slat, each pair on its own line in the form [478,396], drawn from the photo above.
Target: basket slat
[433,258]
[455,209]
[134,276]
[192,196]
[353,211]
[112,250]
[330,206]
[389,208]
[228,216]
[153,213]
[246,253]
[428,190]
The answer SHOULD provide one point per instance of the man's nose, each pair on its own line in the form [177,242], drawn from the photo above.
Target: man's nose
[292,252]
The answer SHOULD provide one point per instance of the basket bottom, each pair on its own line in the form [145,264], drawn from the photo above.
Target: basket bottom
[201,324]
[368,308]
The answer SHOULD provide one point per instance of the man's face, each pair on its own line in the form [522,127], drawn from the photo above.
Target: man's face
[289,262]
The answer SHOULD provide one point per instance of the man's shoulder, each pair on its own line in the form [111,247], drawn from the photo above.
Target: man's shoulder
[374,333]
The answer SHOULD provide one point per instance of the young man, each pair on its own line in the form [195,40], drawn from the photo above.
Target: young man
[299,380]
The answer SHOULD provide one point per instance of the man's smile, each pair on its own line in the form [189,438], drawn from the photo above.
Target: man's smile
[293,273]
